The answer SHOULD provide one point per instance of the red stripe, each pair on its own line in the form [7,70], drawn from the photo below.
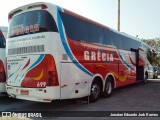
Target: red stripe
[26,64]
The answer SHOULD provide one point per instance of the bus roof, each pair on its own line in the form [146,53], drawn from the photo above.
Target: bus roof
[28,7]
[35,5]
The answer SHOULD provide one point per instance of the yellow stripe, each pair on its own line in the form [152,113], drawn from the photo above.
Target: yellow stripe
[39,77]
[121,78]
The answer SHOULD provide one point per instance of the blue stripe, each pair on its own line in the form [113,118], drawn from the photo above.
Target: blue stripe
[124,62]
[14,72]
[66,46]
[37,61]
[33,65]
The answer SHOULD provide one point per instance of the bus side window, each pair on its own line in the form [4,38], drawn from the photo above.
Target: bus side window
[116,40]
[95,33]
[76,29]
[108,40]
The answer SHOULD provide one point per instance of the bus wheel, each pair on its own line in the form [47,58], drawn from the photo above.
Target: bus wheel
[95,92]
[108,88]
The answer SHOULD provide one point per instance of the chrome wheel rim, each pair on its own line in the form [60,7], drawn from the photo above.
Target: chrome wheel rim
[95,90]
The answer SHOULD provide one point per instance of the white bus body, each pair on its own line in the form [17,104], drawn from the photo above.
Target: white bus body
[53,53]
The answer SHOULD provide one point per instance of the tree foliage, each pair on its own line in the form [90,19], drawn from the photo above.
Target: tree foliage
[154,56]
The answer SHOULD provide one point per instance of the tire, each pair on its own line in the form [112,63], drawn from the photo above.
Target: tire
[95,92]
[108,88]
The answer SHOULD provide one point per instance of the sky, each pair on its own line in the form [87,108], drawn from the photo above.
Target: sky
[138,17]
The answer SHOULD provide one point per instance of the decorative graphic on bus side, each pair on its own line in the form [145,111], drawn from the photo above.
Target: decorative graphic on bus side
[39,77]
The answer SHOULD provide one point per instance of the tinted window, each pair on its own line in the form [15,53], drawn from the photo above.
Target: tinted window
[76,29]
[95,34]
[136,44]
[127,43]
[31,22]
[116,39]
[107,37]
[2,40]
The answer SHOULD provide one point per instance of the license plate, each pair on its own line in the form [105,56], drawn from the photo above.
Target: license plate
[24,92]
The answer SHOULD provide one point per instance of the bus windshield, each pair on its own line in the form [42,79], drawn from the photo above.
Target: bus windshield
[31,22]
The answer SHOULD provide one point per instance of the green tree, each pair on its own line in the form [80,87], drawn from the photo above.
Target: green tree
[154,56]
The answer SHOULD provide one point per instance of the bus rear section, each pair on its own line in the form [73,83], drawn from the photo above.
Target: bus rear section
[2,61]
[31,55]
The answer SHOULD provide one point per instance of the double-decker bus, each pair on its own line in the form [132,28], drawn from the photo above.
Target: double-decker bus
[53,53]
[3,32]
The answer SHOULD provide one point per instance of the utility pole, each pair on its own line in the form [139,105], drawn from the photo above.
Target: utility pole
[118,15]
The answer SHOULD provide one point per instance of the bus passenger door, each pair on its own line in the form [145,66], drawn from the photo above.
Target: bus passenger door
[139,65]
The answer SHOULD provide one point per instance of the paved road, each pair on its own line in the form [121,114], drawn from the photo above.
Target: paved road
[138,97]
